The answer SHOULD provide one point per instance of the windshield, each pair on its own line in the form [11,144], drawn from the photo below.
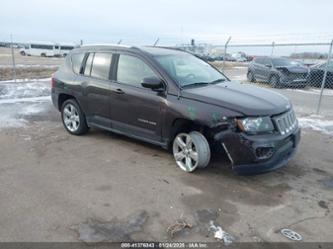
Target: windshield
[187,70]
[283,62]
[330,66]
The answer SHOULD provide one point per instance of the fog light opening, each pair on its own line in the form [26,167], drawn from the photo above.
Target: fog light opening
[264,152]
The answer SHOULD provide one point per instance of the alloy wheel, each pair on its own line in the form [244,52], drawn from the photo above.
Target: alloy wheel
[185,153]
[71,117]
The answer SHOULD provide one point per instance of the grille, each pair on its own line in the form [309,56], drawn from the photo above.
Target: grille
[285,122]
[297,76]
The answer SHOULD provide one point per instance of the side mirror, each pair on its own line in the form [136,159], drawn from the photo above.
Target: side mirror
[153,83]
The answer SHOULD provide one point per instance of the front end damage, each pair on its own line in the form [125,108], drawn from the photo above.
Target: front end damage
[258,153]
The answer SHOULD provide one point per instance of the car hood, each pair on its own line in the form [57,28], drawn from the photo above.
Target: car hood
[295,69]
[245,99]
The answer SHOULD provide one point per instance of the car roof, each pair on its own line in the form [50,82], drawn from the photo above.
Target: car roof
[150,50]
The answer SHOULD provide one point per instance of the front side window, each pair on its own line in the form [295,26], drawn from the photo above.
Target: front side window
[66,47]
[77,61]
[101,65]
[259,60]
[187,69]
[132,70]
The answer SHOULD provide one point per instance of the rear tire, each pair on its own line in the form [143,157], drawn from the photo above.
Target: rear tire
[191,151]
[275,81]
[43,55]
[250,76]
[73,118]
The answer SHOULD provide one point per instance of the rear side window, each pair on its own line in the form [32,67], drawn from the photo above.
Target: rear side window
[89,61]
[259,60]
[76,62]
[132,70]
[267,61]
[101,65]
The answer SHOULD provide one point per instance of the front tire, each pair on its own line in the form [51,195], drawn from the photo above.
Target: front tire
[275,81]
[73,118]
[191,151]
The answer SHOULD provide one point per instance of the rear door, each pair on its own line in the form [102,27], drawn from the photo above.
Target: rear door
[267,68]
[95,87]
[135,110]
[258,67]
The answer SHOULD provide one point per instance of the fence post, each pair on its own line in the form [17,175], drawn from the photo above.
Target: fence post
[13,57]
[324,77]
[225,51]
[273,46]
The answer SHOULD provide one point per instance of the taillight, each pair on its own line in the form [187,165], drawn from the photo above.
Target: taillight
[53,81]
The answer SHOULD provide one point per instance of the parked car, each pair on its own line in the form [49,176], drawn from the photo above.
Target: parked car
[175,100]
[278,71]
[316,75]
[206,57]
[239,57]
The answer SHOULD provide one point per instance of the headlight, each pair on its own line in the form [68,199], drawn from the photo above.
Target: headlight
[255,125]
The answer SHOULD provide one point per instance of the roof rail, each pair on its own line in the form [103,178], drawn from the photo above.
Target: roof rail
[173,48]
[107,44]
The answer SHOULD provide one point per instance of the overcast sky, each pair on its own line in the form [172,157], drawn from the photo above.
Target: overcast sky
[174,21]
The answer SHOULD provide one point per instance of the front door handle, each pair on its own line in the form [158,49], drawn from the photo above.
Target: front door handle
[119,91]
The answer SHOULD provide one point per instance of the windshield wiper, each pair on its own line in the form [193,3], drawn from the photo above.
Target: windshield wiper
[217,81]
[196,84]
[204,83]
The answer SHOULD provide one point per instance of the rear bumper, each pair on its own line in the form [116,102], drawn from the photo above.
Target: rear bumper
[54,97]
[243,151]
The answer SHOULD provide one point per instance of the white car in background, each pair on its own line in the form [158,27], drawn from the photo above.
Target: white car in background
[46,49]
[240,57]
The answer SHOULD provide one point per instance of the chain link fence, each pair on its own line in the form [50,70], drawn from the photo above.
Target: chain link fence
[301,71]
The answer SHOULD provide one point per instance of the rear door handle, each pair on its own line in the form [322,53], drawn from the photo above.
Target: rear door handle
[119,91]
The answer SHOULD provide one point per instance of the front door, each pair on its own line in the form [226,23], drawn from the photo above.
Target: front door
[135,110]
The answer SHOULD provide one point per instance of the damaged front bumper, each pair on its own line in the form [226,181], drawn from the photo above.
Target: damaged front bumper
[255,154]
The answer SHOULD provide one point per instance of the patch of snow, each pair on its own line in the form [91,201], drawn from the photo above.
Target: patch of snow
[29,66]
[22,99]
[26,80]
[240,67]
[18,100]
[317,123]
[219,234]
[31,109]
[238,77]
[24,90]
